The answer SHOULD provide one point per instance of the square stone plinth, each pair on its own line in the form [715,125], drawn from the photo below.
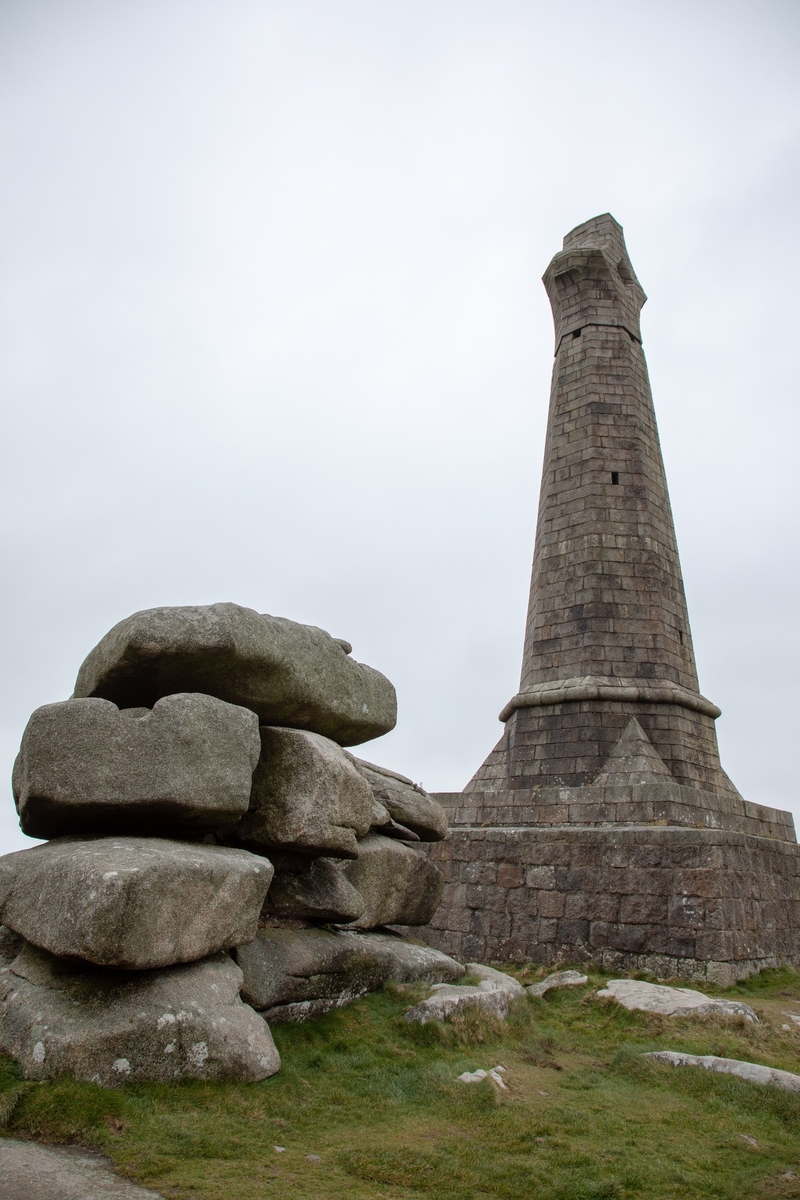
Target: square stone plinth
[677,902]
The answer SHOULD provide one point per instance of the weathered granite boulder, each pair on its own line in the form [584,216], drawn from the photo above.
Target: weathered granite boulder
[672,1002]
[116,1027]
[399,885]
[86,766]
[406,802]
[383,823]
[287,673]
[558,979]
[134,903]
[493,993]
[751,1072]
[312,891]
[297,974]
[284,966]
[307,795]
[412,962]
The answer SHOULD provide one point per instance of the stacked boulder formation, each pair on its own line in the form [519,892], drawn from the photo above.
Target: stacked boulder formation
[216,859]
[602,826]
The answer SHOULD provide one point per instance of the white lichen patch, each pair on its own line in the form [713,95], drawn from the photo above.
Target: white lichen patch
[198,1054]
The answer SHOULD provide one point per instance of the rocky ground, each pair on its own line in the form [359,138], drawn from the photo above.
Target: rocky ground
[370,1106]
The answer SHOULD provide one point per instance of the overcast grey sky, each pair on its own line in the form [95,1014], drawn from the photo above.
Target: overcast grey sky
[273,331]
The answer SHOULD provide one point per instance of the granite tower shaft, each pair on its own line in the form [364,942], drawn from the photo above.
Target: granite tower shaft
[607,634]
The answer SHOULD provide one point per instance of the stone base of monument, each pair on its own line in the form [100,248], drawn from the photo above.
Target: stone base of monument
[671,899]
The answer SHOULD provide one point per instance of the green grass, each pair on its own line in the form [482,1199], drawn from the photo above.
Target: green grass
[585,1116]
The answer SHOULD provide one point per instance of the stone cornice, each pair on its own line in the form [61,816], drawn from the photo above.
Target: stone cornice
[599,687]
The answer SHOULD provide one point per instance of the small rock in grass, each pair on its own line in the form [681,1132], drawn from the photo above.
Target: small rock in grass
[752,1072]
[493,993]
[751,1141]
[558,980]
[279,1149]
[792,1016]
[313,1158]
[634,994]
[495,1074]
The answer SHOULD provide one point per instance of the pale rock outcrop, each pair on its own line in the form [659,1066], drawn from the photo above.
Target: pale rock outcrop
[287,673]
[87,767]
[135,903]
[558,979]
[493,993]
[116,1027]
[399,885]
[634,994]
[307,796]
[752,1072]
[407,803]
[494,1075]
[297,974]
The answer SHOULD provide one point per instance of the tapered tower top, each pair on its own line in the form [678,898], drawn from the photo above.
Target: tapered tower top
[592,282]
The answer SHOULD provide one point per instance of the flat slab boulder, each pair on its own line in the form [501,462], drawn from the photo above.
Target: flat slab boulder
[288,673]
[407,803]
[634,995]
[297,974]
[117,1027]
[87,767]
[307,796]
[135,903]
[493,993]
[751,1072]
[399,885]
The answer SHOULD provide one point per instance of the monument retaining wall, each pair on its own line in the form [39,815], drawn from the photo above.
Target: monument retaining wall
[675,901]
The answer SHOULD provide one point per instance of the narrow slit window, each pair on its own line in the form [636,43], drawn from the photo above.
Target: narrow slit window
[680,635]
[615,476]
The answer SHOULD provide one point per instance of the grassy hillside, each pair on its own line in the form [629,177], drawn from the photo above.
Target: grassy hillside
[378,1102]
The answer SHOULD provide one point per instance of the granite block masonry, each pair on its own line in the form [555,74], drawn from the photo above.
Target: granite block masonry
[602,826]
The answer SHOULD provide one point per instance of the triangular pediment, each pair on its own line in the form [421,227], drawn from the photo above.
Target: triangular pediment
[633,759]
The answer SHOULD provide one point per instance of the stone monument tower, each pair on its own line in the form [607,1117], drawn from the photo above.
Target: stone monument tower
[602,826]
